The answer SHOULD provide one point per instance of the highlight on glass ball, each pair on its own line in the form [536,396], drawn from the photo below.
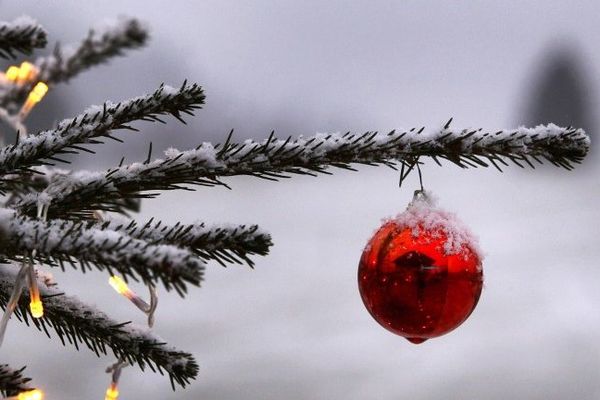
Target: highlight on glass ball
[420,275]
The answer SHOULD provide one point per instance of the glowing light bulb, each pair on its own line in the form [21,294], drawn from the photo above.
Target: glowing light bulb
[34,394]
[12,73]
[35,305]
[112,393]
[26,72]
[35,96]
[37,308]
[120,286]
[38,92]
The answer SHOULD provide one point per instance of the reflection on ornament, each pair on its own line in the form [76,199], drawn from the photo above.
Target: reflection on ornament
[420,275]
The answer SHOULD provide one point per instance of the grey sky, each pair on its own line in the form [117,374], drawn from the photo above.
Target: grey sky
[295,326]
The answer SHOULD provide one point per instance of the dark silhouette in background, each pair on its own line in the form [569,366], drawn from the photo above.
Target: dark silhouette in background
[560,92]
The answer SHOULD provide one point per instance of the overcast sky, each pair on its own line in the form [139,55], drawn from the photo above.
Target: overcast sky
[295,327]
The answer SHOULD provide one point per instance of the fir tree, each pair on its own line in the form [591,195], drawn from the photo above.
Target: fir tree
[52,217]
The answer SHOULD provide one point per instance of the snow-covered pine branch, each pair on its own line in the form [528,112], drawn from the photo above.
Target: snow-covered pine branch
[223,243]
[60,242]
[83,192]
[78,323]
[12,381]
[22,35]
[98,122]
[99,46]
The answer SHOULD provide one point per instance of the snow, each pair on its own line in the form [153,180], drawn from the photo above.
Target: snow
[318,151]
[297,68]
[131,337]
[24,21]
[102,246]
[73,131]
[423,214]
[109,39]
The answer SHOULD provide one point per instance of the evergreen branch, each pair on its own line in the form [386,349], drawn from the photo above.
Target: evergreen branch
[60,242]
[79,194]
[12,381]
[98,122]
[35,179]
[100,45]
[225,244]
[77,323]
[22,35]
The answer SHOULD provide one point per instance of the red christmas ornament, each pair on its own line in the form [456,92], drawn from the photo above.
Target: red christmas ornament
[420,275]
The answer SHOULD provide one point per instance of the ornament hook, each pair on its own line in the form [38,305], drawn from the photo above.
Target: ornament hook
[406,169]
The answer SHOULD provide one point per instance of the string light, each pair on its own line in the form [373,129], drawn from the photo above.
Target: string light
[121,287]
[35,394]
[27,72]
[13,302]
[12,73]
[35,96]
[112,393]
[35,305]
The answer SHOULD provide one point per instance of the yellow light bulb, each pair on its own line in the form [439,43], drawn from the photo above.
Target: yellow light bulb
[37,308]
[112,393]
[12,73]
[26,72]
[35,96]
[38,92]
[119,285]
[35,394]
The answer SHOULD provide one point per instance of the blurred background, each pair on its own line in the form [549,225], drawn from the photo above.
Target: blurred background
[295,327]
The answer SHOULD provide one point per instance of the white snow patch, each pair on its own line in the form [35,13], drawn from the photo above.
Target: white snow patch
[422,214]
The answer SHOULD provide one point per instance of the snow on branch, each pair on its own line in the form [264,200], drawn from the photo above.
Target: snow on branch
[99,122]
[273,159]
[78,323]
[60,242]
[225,244]
[12,381]
[22,35]
[101,44]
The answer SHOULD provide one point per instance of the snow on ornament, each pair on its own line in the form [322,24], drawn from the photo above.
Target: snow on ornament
[420,275]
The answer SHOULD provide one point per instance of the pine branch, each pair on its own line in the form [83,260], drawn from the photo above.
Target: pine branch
[100,45]
[225,244]
[98,122]
[77,323]
[79,194]
[22,35]
[36,179]
[60,242]
[12,381]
